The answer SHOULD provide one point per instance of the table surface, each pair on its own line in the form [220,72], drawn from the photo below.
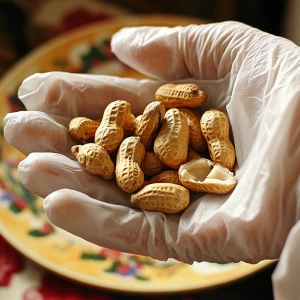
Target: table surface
[21,279]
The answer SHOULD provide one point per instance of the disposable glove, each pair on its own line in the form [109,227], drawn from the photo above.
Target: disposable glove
[250,75]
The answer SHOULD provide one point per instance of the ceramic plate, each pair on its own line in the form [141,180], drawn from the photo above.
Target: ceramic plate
[22,220]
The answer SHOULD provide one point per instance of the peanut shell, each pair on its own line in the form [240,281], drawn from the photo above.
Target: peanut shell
[171,143]
[83,129]
[203,175]
[95,160]
[147,126]
[163,197]
[168,176]
[129,175]
[215,128]
[181,95]
[110,133]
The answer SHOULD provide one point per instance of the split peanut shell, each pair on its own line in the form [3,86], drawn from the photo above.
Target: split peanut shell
[203,175]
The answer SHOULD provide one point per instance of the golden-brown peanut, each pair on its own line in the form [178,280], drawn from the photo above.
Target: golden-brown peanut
[110,133]
[181,95]
[129,126]
[149,123]
[83,129]
[168,176]
[137,121]
[203,175]
[151,164]
[197,140]
[163,197]
[95,160]
[129,175]
[192,154]
[215,128]
[171,143]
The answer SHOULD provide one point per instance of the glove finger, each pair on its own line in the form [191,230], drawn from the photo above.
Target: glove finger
[107,225]
[205,52]
[44,173]
[33,131]
[72,95]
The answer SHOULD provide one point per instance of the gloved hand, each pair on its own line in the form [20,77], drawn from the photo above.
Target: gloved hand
[251,75]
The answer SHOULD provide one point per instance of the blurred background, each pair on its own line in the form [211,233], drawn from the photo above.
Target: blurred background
[24,24]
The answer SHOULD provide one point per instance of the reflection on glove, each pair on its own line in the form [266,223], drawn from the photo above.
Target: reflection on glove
[251,75]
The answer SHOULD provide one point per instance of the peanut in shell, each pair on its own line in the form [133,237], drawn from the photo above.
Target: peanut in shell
[215,128]
[164,197]
[110,133]
[181,95]
[82,128]
[148,124]
[95,160]
[171,143]
[129,175]
[167,176]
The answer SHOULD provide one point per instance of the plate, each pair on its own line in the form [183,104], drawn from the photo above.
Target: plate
[22,220]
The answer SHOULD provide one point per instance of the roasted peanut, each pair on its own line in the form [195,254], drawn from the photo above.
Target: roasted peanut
[83,129]
[129,175]
[137,121]
[197,141]
[151,165]
[171,143]
[163,197]
[95,160]
[203,175]
[168,176]
[110,133]
[216,131]
[149,122]
[129,126]
[192,154]
[180,95]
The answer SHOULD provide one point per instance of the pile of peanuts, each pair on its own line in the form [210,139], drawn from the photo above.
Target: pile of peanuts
[158,158]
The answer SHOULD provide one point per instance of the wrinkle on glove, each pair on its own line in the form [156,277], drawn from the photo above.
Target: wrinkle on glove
[69,95]
[46,133]
[252,76]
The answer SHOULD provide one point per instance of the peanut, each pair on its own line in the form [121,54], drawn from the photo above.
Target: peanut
[203,175]
[129,175]
[216,131]
[163,197]
[137,121]
[168,176]
[192,154]
[197,141]
[129,126]
[171,143]
[83,129]
[149,122]
[110,133]
[151,165]
[180,95]
[95,160]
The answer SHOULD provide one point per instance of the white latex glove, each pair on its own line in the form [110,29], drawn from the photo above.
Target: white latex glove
[286,276]
[251,75]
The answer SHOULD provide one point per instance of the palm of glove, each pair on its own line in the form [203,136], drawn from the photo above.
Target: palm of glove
[248,74]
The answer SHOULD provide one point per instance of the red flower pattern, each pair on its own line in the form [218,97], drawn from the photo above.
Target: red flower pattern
[54,288]
[11,262]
